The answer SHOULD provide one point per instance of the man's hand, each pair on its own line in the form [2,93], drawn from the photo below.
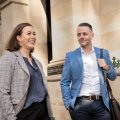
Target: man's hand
[103,64]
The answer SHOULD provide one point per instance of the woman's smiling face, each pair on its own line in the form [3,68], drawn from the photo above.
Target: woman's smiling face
[27,39]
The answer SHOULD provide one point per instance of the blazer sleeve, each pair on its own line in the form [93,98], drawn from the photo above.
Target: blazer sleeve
[111,74]
[6,71]
[65,82]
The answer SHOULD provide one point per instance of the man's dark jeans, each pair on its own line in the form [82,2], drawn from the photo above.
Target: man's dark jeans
[89,110]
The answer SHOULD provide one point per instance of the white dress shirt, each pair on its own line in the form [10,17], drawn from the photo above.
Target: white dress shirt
[90,83]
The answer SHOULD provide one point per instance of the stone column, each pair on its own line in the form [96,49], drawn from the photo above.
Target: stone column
[13,12]
[62,42]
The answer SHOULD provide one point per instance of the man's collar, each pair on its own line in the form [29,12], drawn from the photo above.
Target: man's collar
[82,51]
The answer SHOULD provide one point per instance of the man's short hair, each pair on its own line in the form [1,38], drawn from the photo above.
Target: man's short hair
[86,25]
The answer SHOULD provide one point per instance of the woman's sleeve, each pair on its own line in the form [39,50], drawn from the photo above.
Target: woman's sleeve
[6,71]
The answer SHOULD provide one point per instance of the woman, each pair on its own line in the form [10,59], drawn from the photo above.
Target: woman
[23,92]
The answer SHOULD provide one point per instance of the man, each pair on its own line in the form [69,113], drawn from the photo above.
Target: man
[83,88]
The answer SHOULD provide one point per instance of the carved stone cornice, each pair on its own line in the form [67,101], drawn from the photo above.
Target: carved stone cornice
[2,1]
[5,3]
[55,68]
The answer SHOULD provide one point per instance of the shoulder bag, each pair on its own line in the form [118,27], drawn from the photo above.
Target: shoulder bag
[114,104]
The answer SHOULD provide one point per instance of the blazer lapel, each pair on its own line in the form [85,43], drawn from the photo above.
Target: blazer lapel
[40,67]
[21,61]
[79,57]
[42,72]
[97,52]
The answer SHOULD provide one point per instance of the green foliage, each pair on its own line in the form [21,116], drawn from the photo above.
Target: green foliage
[115,62]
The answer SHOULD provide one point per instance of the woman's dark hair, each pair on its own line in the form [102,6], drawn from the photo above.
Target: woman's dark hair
[86,25]
[13,43]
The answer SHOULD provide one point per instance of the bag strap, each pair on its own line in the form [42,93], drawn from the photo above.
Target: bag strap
[106,79]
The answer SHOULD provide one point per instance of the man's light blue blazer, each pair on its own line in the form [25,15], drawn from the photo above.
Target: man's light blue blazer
[72,76]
